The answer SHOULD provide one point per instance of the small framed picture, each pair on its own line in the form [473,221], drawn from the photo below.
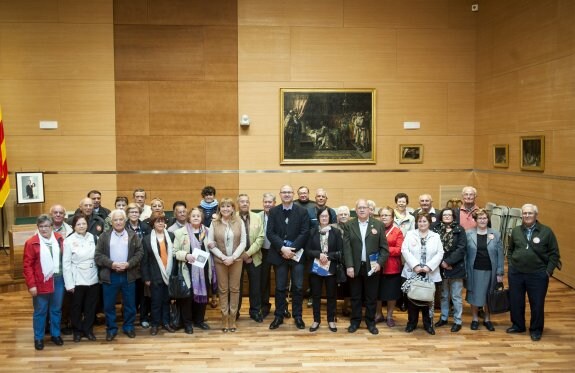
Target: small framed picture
[410,153]
[501,155]
[533,153]
[29,187]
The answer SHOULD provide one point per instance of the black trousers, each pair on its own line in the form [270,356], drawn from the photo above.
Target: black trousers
[368,286]
[413,314]
[254,278]
[160,302]
[192,312]
[316,282]
[535,285]
[265,272]
[83,307]
[142,302]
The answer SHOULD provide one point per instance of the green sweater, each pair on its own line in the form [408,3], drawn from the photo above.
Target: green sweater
[540,254]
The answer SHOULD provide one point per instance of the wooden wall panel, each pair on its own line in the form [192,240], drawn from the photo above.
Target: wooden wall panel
[130,12]
[29,11]
[132,108]
[335,54]
[321,13]
[193,12]
[160,182]
[93,11]
[193,108]
[56,51]
[264,54]
[461,108]
[221,53]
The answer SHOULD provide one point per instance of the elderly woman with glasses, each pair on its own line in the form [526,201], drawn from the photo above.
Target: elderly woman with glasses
[42,267]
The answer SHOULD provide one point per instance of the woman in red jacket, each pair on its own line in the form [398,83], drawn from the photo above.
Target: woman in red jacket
[390,280]
[42,267]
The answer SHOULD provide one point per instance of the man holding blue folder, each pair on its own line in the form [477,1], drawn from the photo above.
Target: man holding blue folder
[365,250]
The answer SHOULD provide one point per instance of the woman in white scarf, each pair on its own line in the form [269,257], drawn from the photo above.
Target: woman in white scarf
[42,268]
[156,268]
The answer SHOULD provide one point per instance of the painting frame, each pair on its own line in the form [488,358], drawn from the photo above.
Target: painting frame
[327,126]
[501,155]
[410,153]
[533,153]
[29,187]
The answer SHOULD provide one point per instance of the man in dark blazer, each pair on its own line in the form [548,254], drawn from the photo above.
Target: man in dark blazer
[364,236]
[287,231]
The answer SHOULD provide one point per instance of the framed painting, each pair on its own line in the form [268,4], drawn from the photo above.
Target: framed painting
[501,155]
[533,153]
[410,153]
[29,187]
[327,126]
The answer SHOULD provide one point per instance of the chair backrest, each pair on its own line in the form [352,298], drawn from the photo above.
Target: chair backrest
[489,207]
[514,219]
[499,216]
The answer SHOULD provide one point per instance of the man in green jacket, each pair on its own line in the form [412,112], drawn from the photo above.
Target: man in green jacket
[532,256]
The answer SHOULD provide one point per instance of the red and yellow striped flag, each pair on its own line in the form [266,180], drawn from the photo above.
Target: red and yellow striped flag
[4,182]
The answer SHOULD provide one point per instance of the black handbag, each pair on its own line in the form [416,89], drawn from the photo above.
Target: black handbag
[177,286]
[340,272]
[498,299]
[175,316]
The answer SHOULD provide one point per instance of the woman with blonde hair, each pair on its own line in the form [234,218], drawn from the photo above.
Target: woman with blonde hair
[227,242]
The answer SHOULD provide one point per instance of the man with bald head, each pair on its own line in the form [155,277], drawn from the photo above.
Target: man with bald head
[425,205]
[58,214]
[95,222]
[287,230]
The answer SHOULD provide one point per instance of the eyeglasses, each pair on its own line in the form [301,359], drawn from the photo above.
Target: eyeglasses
[385,215]
[44,227]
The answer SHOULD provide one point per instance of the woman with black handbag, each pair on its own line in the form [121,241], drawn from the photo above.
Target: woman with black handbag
[324,246]
[156,269]
[423,252]
[484,266]
[191,236]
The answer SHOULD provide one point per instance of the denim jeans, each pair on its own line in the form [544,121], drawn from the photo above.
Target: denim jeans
[119,282]
[453,287]
[52,303]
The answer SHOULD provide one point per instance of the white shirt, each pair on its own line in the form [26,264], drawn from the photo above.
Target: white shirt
[363,230]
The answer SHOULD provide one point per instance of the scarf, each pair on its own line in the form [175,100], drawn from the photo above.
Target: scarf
[209,206]
[154,243]
[49,261]
[197,274]
[446,237]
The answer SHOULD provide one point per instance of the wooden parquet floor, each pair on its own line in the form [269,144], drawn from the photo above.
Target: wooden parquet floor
[254,348]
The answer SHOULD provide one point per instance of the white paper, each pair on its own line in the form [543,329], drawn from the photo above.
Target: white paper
[201,257]
[297,255]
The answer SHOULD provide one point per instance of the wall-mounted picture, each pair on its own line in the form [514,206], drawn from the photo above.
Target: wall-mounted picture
[501,155]
[327,126]
[411,153]
[533,153]
[29,187]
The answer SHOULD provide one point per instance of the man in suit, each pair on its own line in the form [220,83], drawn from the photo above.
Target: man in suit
[95,222]
[252,256]
[287,231]
[268,201]
[363,237]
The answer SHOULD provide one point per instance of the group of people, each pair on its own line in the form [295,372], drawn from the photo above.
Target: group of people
[135,250]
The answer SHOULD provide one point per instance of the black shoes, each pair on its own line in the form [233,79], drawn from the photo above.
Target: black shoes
[352,328]
[489,326]
[90,336]
[189,330]
[276,323]
[409,328]
[536,336]
[257,318]
[110,336]
[515,329]
[168,328]
[154,330]
[474,325]
[202,325]
[373,329]
[332,327]
[130,333]
[430,330]
[455,328]
[299,323]
[287,314]
[314,327]
[77,337]
[440,323]
[38,344]
[57,341]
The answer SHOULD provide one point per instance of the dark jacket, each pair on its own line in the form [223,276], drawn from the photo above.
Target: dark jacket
[334,246]
[375,242]
[454,254]
[296,231]
[543,252]
[102,256]
[150,270]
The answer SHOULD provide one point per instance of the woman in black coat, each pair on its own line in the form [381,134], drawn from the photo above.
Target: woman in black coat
[324,246]
[452,267]
[156,269]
